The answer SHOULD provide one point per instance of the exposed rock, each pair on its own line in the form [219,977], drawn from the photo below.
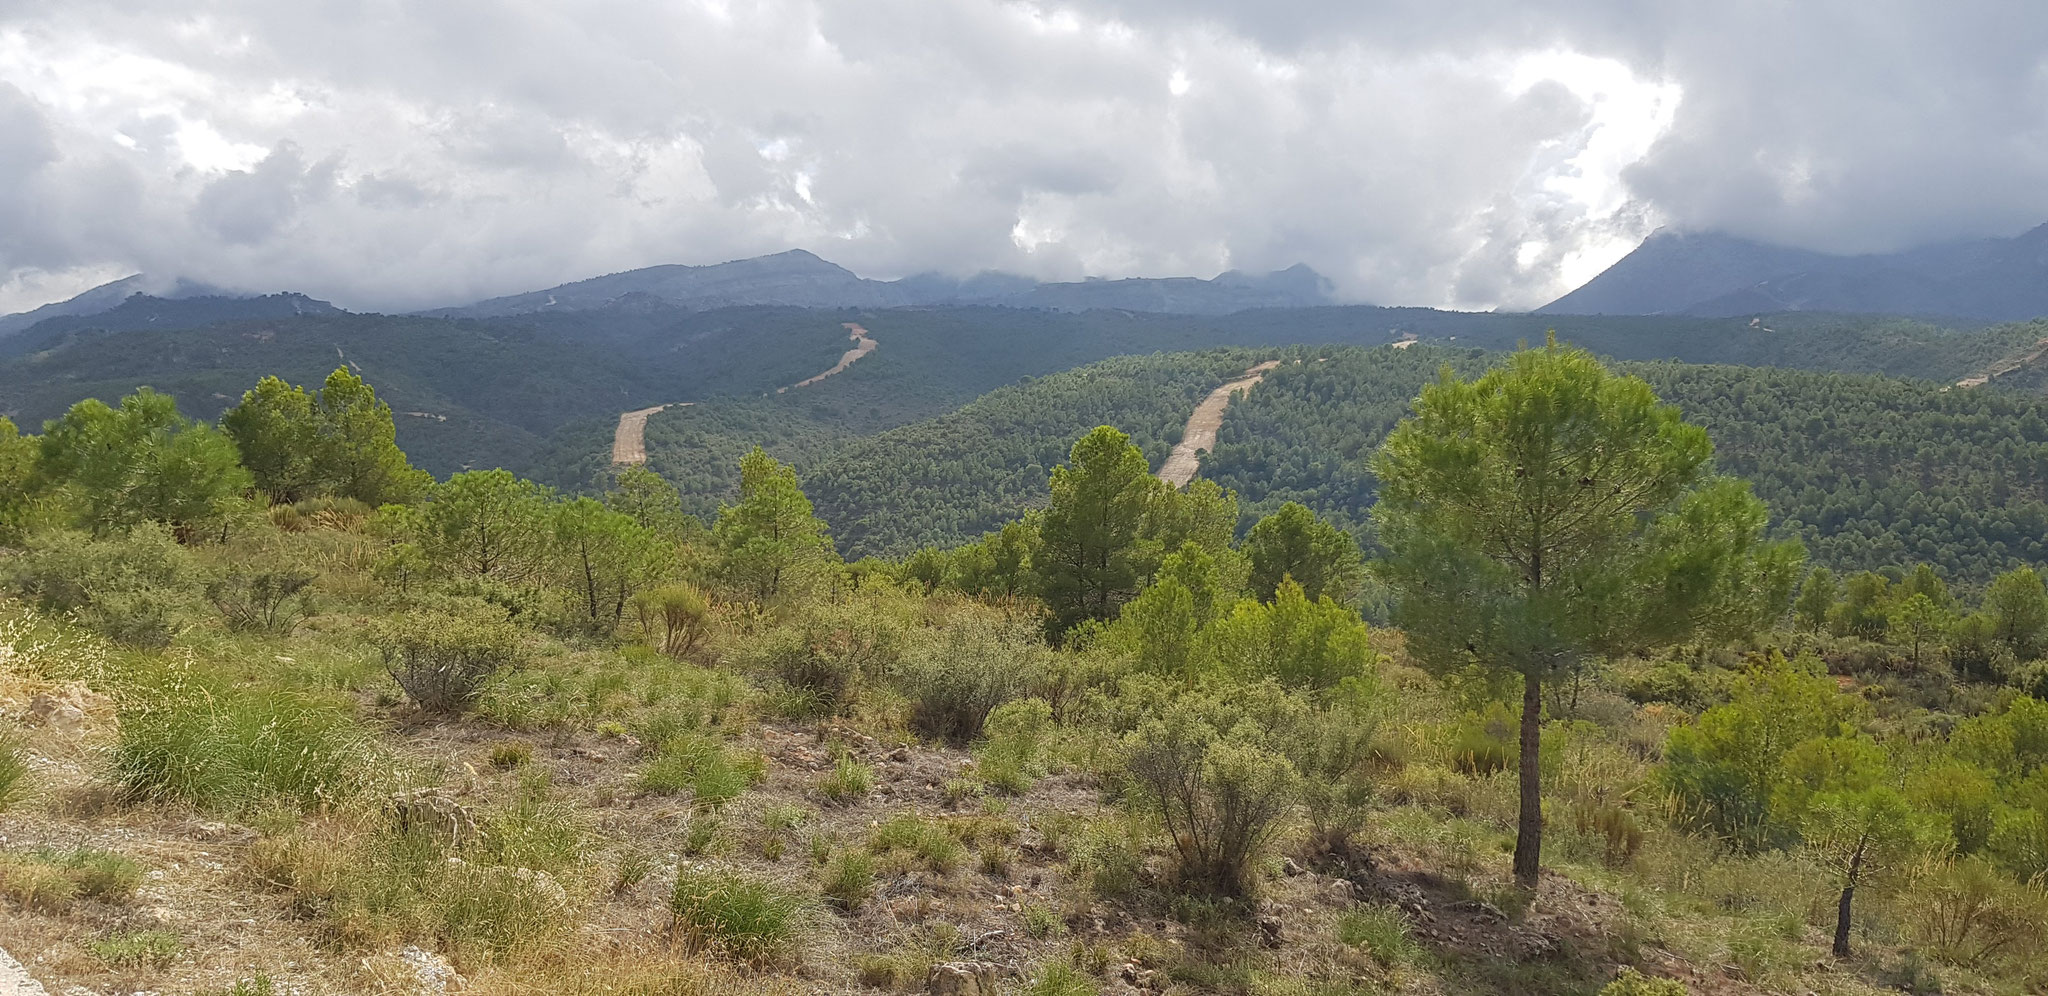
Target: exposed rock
[1271,931]
[433,811]
[15,980]
[415,971]
[961,978]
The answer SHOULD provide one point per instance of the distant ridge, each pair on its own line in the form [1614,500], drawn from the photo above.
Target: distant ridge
[108,296]
[1708,274]
[802,279]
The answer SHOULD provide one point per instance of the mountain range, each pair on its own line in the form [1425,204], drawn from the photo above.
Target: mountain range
[803,279]
[1709,274]
[1695,274]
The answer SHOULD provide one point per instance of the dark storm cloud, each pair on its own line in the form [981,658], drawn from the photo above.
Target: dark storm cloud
[400,155]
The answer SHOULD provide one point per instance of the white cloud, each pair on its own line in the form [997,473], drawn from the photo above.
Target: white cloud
[1463,155]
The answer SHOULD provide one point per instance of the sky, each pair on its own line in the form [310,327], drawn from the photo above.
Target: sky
[400,154]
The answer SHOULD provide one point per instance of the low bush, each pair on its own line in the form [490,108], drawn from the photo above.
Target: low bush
[955,678]
[738,915]
[137,587]
[1220,796]
[828,652]
[678,615]
[443,657]
[262,600]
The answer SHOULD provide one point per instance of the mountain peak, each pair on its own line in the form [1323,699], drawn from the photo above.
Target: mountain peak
[1717,274]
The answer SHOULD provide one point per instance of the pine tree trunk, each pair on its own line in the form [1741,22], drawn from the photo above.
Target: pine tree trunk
[1848,896]
[1529,831]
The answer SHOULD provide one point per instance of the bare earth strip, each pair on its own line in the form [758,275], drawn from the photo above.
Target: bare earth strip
[2005,366]
[1200,434]
[862,346]
[629,440]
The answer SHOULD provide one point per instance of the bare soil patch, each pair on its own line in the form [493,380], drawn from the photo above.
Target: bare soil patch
[862,346]
[1200,433]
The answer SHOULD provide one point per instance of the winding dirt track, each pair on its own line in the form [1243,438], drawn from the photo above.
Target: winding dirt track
[629,440]
[862,346]
[2005,366]
[1200,433]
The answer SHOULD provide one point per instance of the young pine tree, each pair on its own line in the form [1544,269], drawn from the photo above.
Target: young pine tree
[1551,510]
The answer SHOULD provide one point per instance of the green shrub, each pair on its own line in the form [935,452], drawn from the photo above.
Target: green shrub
[229,749]
[848,880]
[829,651]
[1485,742]
[1220,797]
[511,754]
[1633,983]
[270,600]
[136,587]
[1381,930]
[137,948]
[678,613]
[957,676]
[13,769]
[443,657]
[738,915]
[1010,760]
[848,781]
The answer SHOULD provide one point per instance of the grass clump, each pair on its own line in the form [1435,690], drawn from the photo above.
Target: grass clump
[228,749]
[703,766]
[848,880]
[918,840]
[1060,979]
[1010,760]
[377,881]
[511,754]
[1042,920]
[13,769]
[137,948]
[1382,931]
[737,915]
[1633,983]
[848,781]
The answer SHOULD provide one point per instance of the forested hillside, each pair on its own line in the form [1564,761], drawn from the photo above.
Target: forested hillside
[1869,471]
[539,393]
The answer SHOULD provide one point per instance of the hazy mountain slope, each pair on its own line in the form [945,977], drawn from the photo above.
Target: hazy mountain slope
[1718,275]
[801,279]
[106,297]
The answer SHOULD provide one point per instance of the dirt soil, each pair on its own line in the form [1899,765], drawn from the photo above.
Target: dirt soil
[629,440]
[1200,434]
[2005,366]
[862,346]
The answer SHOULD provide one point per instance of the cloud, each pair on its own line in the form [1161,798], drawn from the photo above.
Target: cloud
[1465,155]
